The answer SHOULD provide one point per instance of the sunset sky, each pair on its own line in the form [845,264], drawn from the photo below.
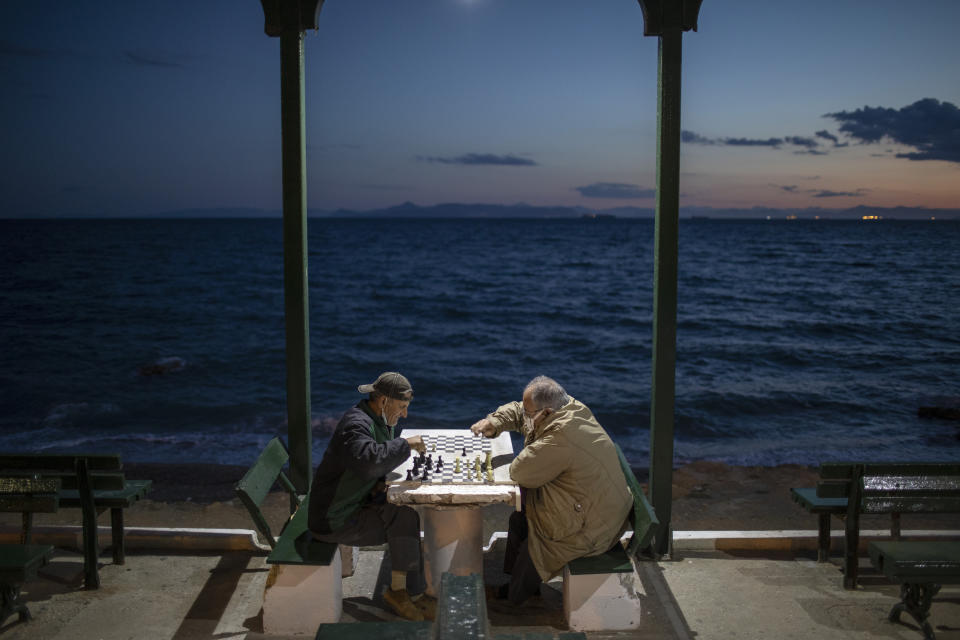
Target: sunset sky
[139,108]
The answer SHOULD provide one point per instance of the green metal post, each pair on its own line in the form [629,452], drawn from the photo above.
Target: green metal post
[665,285]
[667,19]
[288,19]
[295,290]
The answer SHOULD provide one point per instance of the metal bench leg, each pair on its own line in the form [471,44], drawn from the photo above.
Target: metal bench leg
[116,524]
[915,599]
[823,538]
[91,545]
[27,527]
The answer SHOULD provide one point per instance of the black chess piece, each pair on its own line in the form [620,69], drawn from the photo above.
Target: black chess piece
[439,462]
[409,475]
[425,477]
[429,463]
[464,454]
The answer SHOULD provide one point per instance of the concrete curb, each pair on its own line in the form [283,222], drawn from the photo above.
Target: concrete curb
[192,539]
[787,540]
[146,538]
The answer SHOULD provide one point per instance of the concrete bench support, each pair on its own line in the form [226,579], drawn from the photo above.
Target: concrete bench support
[601,601]
[299,598]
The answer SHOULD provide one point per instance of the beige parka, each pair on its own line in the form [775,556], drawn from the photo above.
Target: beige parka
[577,499]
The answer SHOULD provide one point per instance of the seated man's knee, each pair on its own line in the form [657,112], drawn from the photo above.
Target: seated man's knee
[518,523]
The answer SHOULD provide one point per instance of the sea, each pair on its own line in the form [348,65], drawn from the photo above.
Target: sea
[798,341]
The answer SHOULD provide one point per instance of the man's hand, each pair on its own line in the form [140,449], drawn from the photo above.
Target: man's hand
[483,428]
[416,443]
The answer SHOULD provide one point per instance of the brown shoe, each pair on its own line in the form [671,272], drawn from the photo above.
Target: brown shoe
[427,606]
[402,605]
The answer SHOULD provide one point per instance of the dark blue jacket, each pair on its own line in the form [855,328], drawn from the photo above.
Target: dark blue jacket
[361,451]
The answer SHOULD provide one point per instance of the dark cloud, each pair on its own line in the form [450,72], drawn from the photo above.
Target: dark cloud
[689,137]
[799,141]
[150,60]
[614,190]
[826,193]
[810,144]
[931,127]
[482,159]
[820,193]
[811,152]
[826,135]
[750,142]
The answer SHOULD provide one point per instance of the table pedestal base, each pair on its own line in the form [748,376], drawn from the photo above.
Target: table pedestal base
[453,541]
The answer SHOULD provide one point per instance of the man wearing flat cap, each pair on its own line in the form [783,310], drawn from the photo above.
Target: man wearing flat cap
[348,500]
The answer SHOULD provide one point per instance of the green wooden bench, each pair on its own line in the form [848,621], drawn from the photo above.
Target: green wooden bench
[598,593]
[461,615]
[91,482]
[919,567]
[304,589]
[19,562]
[893,487]
[823,508]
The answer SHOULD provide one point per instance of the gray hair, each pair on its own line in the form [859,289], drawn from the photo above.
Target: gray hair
[546,393]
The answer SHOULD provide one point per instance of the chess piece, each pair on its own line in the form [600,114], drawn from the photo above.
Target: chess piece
[464,454]
[489,460]
[429,463]
[433,446]
[489,474]
[409,475]
[425,477]
[439,462]
[456,465]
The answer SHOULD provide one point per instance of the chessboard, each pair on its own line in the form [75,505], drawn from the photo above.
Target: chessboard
[454,457]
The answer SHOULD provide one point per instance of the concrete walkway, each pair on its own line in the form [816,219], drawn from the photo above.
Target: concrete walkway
[745,591]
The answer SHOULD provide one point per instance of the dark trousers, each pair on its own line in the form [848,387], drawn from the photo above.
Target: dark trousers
[396,525]
[524,577]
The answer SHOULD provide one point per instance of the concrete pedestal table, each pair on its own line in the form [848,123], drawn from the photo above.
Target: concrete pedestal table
[452,516]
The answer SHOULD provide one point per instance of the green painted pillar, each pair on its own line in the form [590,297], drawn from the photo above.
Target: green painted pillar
[288,19]
[667,19]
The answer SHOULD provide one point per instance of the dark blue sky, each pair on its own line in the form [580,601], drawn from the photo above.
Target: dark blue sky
[139,107]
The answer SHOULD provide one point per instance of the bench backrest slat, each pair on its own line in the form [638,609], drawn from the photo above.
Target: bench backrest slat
[889,487]
[28,493]
[642,516]
[69,481]
[259,479]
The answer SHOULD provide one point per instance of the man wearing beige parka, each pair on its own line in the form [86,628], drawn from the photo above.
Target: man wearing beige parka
[576,499]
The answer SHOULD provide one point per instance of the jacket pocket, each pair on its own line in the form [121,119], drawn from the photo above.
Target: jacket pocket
[559,514]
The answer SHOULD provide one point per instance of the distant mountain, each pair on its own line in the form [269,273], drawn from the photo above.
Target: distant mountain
[523,210]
